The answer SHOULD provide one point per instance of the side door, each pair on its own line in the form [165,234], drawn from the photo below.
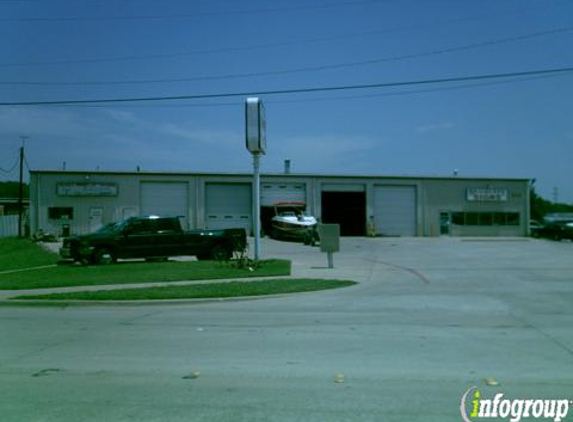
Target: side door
[95,215]
[138,239]
[445,221]
[168,238]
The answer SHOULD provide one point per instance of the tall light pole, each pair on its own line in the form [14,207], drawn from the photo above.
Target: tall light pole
[21,186]
[257,204]
[256,142]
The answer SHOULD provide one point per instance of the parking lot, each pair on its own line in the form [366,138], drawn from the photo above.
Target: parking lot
[429,319]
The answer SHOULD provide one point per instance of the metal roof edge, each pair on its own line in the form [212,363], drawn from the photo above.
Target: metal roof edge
[289,175]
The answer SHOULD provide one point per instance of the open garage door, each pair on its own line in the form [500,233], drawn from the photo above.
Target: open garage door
[275,192]
[345,204]
[228,205]
[395,210]
[271,193]
[165,199]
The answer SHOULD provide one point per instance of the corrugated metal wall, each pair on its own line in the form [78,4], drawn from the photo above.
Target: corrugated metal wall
[8,225]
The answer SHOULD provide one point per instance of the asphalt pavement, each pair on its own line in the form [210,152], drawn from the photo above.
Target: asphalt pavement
[429,319]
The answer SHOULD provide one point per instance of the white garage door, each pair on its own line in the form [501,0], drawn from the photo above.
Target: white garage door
[166,199]
[395,210]
[271,193]
[228,205]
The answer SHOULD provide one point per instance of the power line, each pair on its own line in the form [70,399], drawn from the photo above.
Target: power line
[11,168]
[446,50]
[192,15]
[230,49]
[264,45]
[330,98]
[297,90]
[285,44]
[260,46]
[422,91]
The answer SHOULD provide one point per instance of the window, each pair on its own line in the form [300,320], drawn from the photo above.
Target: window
[58,213]
[513,219]
[166,225]
[458,218]
[471,218]
[486,218]
[141,227]
[499,219]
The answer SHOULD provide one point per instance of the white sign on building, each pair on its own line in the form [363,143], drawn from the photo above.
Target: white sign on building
[87,189]
[487,195]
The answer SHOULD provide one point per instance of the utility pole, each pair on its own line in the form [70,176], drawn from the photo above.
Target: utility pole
[21,187]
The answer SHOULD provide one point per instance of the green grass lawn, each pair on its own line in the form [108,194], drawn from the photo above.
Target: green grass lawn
[135,272]
[208,290]
[22,253]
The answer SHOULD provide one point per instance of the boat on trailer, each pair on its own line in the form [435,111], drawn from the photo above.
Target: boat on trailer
[292,222]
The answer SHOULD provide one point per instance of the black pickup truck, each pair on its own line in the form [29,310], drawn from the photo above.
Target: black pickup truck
[152,238]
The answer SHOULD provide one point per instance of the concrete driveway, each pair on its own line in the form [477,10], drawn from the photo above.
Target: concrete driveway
[429,319]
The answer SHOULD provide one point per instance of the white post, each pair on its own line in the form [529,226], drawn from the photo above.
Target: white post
[330,258]
[257,205]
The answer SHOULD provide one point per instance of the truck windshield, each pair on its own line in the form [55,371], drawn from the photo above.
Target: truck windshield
[109,228]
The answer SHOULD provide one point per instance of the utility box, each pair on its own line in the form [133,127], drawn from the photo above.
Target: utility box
[329,240]
[329,237]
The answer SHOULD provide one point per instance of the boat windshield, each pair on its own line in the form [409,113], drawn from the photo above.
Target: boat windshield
[287,214]
[290,211]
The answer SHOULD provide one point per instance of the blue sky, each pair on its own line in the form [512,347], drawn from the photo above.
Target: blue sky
[53,50]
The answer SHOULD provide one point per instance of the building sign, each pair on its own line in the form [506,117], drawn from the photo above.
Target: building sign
[487,195]
[87,189]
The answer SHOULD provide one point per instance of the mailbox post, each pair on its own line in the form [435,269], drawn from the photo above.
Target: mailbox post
[329,241]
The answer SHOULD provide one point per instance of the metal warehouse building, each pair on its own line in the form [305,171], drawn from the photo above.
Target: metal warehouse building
[389,206]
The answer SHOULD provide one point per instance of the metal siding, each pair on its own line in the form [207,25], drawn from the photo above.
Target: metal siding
[8,225]
[228,205]
[166,199]
[271,193]
[451,196]
[343,187]
[395,210]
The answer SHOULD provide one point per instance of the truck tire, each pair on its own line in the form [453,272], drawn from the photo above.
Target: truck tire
[220,253]
[103,256]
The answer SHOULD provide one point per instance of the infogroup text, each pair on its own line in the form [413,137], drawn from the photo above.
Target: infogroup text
[513,409]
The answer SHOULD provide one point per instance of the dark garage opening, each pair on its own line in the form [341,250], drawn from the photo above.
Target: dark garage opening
[267,213]
[347,209]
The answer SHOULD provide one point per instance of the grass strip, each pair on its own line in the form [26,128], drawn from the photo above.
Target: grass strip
[18,253]
[138,272]
[202,291]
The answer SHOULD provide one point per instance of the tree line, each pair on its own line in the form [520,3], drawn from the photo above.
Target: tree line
[12,190]
[540,207]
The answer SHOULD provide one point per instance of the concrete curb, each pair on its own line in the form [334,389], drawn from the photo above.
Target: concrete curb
[20,270]
[151,302]
[7,294]
[129,303]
